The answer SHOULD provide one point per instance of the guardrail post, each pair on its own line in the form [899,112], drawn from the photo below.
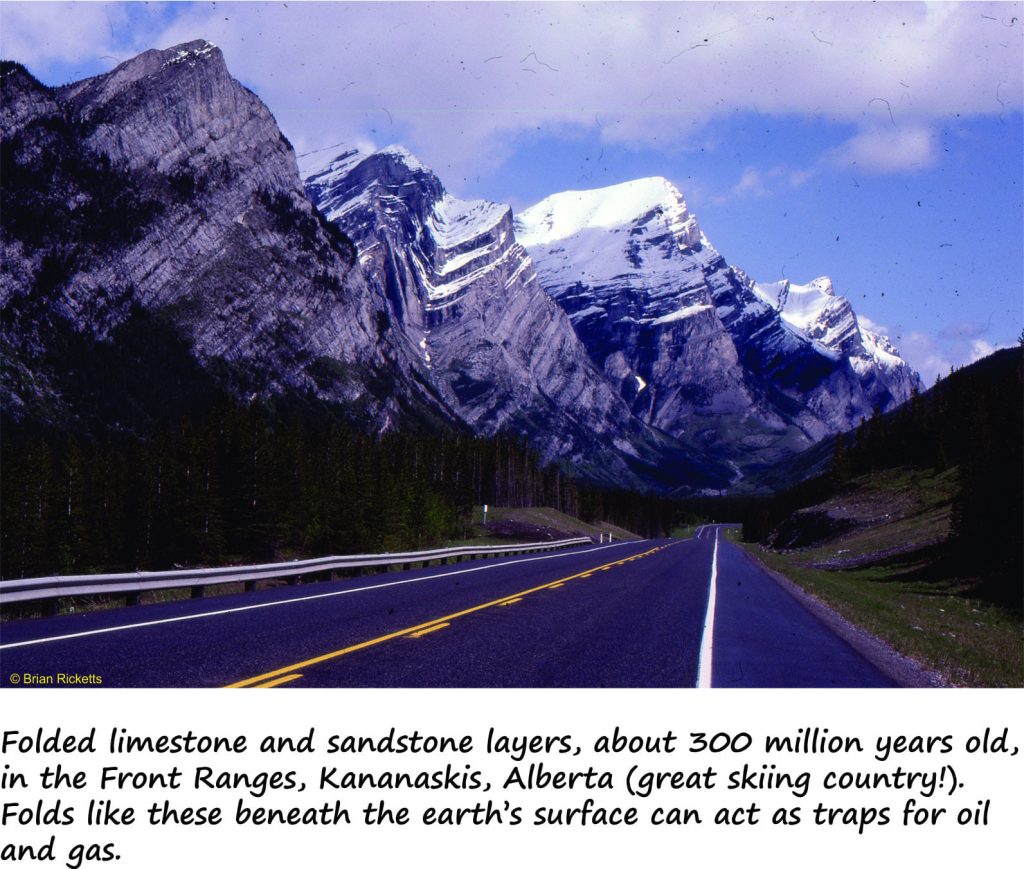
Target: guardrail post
[131,598]
[250,585]
[197,591]
[51,607]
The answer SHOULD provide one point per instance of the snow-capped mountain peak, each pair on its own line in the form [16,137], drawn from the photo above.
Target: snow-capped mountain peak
[638,233]
[757,371]
[331,164]
[882,350]
[405,156]
[565,214]
[815,310]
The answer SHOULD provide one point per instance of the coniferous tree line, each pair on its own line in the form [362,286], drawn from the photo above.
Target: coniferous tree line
[243,485]
[973,421]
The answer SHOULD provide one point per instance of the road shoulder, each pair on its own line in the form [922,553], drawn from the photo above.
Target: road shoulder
[905,671]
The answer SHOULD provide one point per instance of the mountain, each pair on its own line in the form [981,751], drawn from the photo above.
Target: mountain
[751,373]
[157,243]
[464,293]
[159,247]
[828,319]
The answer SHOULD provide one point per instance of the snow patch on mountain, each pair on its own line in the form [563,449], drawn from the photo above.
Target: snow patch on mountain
[681,314]
[881,349]
[330,163]
[456,221]
[190,54]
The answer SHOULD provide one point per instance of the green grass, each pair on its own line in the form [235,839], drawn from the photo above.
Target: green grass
[541,517]
[684,532]
[889,578]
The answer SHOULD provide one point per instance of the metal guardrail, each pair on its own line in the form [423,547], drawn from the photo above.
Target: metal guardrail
[132,584]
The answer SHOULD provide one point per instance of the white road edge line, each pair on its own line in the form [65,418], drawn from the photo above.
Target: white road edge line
[256,606]
[707,641]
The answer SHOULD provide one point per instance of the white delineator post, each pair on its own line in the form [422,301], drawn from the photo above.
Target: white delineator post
[485,514]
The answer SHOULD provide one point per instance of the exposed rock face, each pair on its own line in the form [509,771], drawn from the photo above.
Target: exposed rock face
[165,186]
[693,344]
[504,356]
[157,209]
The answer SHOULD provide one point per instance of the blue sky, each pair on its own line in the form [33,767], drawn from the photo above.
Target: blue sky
[881,144]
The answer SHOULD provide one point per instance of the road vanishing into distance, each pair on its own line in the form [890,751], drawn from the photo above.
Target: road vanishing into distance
[662,613]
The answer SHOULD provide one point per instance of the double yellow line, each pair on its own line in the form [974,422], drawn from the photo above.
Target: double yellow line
[290,673]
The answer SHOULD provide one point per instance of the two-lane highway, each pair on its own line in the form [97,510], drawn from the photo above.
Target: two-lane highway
[662,613]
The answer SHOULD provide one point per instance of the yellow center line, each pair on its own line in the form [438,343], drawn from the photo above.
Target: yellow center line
[376,641]
[510,602]
[426,631]
[275,682]
[560,585]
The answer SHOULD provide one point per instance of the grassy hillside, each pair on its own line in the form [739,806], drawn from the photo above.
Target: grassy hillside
[879,553]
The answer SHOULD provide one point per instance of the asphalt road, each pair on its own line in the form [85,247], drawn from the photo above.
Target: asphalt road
[620,615]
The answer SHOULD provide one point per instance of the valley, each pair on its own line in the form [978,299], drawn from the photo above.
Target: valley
[219,352]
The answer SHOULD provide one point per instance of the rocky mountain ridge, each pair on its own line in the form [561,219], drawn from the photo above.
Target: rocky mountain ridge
[749,372]
[501,352]
[164,188]
[158,242]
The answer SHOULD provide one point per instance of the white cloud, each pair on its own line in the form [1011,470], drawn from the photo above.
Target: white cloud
[980,349]
[751,183]
[42,33]
[925,357]
[935,355]
[871,325]
[759,183]
[457,81]
[799,177]
[887,149]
